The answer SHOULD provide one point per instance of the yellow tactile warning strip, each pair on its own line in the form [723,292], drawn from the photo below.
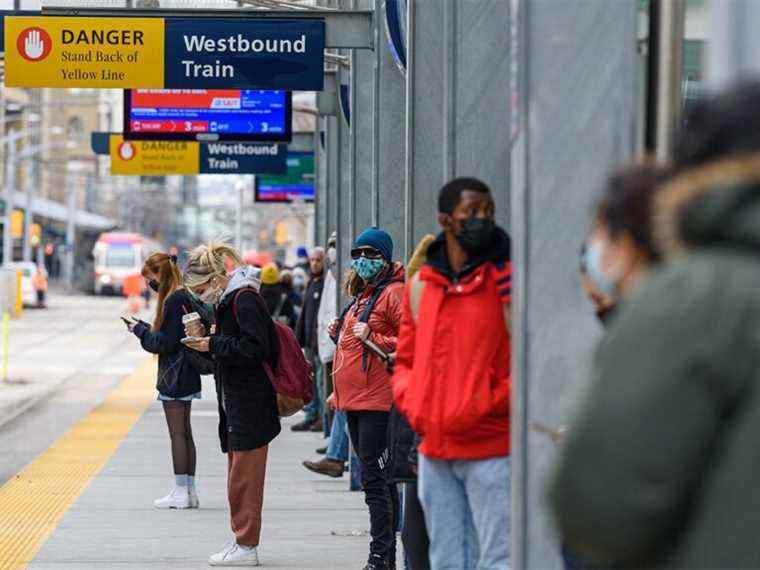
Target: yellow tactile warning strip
[33,502]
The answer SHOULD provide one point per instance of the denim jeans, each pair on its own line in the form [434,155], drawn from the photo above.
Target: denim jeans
[369,436]
[314,408]
[466,505]
[338,446]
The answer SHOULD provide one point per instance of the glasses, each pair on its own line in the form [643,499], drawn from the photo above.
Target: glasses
[367,253]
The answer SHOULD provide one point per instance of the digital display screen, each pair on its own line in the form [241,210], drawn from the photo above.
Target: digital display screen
[297,184]
[207,115]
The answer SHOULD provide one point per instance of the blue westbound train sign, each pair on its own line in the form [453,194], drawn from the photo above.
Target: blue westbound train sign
[163,52]
[215,54]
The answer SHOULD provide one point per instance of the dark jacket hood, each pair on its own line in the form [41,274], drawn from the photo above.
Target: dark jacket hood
[499,251]
[717,204]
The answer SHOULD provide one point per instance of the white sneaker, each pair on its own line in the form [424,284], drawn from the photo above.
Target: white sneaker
[236,555]
[194,502]
[178,498]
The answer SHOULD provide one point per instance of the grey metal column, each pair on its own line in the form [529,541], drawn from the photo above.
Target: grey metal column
[389,175]
[322,199]
[362,78]
[28,209]
[10,188]
[574,111]
[334,124]
[734,41]
[345,219]
[458,104]
[670,74]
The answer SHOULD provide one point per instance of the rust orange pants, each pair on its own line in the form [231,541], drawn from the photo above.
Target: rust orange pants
[246,471]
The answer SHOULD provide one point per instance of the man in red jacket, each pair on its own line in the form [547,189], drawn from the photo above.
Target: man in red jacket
[452,381]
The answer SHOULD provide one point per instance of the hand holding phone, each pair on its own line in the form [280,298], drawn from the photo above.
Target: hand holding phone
[131,321]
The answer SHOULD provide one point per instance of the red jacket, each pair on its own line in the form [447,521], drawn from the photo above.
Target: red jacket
[359,388]
[452,378]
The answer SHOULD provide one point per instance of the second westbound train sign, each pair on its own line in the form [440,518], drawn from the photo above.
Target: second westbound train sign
[172,53]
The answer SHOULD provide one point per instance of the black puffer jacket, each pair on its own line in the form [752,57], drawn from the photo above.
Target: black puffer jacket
[306,329]
[245,339]
[166,344]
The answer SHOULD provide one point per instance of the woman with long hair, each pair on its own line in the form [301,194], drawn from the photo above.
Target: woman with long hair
[178,383]
[244,343]
[362,382]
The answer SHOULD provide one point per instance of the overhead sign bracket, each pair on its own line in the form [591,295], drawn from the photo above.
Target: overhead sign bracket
[345,29]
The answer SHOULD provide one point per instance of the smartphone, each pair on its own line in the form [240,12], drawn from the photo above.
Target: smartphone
[189,339]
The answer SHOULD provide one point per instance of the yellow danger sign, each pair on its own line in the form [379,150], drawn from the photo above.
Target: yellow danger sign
[84,52]
[153,158]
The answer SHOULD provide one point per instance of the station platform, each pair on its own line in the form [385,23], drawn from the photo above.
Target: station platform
[87,501]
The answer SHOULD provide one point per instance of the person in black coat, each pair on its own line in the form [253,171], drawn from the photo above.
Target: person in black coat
[276,297]
[306,333]
[179,382]
[243,346]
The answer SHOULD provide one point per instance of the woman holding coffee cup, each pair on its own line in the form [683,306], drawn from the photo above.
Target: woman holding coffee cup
[179,382]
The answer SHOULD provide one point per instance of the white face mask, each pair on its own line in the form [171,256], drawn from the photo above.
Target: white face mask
[212,294]
[332,255]
[607,267]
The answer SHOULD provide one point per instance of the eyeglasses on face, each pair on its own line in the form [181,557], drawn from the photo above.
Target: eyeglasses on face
[366,252]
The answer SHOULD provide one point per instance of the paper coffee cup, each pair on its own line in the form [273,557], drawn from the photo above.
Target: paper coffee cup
[193,324]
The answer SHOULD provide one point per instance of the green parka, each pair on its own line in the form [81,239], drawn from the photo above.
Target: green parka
[661,469]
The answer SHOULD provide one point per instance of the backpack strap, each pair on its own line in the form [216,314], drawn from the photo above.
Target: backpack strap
[367,312]
[342,318]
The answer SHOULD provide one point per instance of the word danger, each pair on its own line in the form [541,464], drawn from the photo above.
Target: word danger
[202,44]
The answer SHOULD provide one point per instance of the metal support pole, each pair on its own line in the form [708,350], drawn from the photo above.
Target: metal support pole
[70,232]
[375,190]
[10,182]
[28,211]
[409,161]
[449,89]
[239,218]
[669,71]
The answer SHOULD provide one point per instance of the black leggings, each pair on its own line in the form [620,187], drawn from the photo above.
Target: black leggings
[181,434]
[369,436]
[414,536]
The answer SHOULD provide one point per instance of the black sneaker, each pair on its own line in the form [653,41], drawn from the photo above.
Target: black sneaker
[302,426]
[376,562]
[322,451]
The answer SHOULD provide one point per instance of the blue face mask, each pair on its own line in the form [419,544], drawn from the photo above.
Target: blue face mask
[367,269]
[594,267]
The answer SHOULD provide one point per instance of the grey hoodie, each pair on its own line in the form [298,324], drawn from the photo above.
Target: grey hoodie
[243,277]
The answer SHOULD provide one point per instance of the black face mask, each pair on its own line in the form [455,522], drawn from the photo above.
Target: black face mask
[153,284]
[476,235]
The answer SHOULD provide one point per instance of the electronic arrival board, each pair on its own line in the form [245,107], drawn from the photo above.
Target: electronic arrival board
[172,53]
[207,114]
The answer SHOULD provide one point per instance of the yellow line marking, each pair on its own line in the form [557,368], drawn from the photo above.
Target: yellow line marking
[34,501]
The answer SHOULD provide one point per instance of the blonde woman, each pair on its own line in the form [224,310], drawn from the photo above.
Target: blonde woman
[178,383]
[244,341]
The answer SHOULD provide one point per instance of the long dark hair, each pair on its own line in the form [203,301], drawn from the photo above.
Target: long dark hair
[169,280]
